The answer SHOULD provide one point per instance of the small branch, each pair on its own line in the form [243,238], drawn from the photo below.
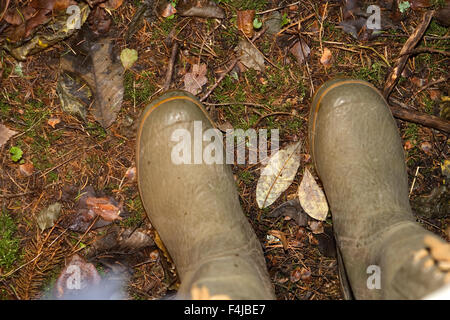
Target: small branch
[425,50]
[169,73]
[412,41]
[233,63]
[401,111]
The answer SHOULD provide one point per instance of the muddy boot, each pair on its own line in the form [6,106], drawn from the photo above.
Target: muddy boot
[358,155]
[195,206]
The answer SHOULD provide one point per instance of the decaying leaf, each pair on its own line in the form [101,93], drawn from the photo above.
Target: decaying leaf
[77,276]
[128,57]
[292,209]
[301,51]
[5,134]
[277,175]
[75,95]
[273,23]
[327,57]
[249,56]
[245,22]
[102,72]
[316,226]
[43,29]
[48,216]
[443,14]
[199,8]
[86,214]
[312,198]
[53,122]
[196,79]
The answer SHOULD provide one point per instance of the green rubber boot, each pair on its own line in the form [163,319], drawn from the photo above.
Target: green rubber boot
[358,155]
[195,207]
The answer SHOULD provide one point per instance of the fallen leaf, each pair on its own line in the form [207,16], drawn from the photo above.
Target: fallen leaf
[131,173]
[128,57]
[273,23]
[48,216]
[301,51]
[167,9]
[99,21]
[249,56]
[26,169]
[442,15]
[445,168]
[53,122]
[77,276]
[104,208]
[74,94]
[426,147]
[327,57]
[199,8]
[196,79]
[312,198]
[292,209]
[277,175]
[295,275]
[408,145]
[5,134]
[435,95]
[245,22]
[316,226]
[280,235]
[418,4]
[102,72]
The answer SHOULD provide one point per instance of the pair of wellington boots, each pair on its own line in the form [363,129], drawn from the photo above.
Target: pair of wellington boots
[354,142]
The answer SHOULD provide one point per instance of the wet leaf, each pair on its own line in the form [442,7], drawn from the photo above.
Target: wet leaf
[277,175]
[199,8]
[102,72]
[292,209]
[196,79]
[245,22]
[74,94]
[128,57]
[5,134]
[75,277]
[273,23]
[48,216]
[301,51]
[312,198]
[249,56]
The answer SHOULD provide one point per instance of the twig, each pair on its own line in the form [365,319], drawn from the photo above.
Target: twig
[400,110]
[272,114]
[278,8]
[425,49]
[412,41]
[233,63]
[169,73]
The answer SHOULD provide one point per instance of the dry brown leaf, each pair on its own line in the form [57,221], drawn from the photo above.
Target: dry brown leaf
[5,134]
[196,79]
[280,235]
[245,22]
[53,122]
[199,8]
[312,198]
[167,10]
[104,208]
[326,58]
[301,51]
[26,169]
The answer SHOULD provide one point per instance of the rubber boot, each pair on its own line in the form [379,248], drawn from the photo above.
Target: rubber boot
[358,155]
[195,207]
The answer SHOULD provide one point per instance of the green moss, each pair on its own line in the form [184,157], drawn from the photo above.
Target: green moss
[246,4]
[138,89]
[374,74]
[246,177]
[137,213]
[9,244]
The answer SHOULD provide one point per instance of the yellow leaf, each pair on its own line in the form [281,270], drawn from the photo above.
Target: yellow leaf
[312,198]
[278,175]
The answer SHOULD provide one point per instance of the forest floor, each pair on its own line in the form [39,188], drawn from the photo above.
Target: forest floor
[66,153]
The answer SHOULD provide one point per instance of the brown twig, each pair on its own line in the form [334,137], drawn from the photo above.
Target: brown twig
[169,73]
[412,41]
[424,50]
[233,63]
[401,111]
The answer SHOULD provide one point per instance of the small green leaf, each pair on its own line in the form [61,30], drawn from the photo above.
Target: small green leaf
[257,23]
[128,57]
[403,6]
[16,153]
[285,20]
